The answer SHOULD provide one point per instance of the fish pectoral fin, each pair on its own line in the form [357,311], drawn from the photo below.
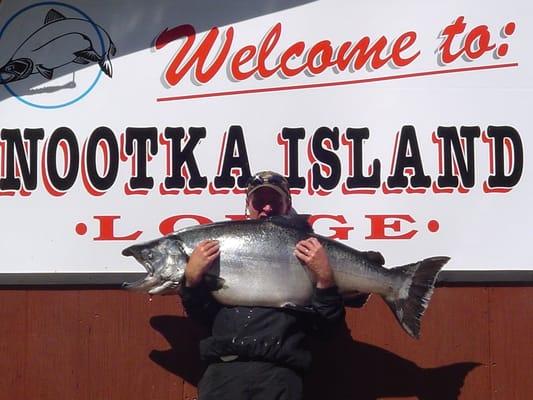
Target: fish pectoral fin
[88,54]
[213,282]
[46,72]
[80,60]
[53,15]
[166,288]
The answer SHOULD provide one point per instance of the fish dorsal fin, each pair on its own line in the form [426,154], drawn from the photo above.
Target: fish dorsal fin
[298,221]
[53,15]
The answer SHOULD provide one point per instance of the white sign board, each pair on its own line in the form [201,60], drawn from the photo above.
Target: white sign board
[403,128]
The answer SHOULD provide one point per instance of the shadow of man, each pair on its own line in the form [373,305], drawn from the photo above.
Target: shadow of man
[183,357]
[342,368]
[347,369]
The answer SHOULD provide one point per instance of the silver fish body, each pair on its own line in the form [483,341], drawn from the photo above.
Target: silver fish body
[257,267]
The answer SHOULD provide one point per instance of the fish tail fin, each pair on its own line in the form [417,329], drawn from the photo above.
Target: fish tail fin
[105,61]
[105,65]
[409,302]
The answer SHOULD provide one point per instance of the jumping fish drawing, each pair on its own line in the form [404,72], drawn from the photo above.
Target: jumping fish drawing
[60,41]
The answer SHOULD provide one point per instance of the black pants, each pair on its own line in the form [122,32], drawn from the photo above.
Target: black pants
[249,380]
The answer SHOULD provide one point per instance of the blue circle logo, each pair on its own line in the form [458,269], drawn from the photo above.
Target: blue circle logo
[63,39]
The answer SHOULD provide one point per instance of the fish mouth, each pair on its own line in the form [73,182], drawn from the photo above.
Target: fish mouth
[15,70]
[143,284]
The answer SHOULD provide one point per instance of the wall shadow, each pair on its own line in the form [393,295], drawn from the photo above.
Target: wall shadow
[183,356]
[357,370]
[342,367]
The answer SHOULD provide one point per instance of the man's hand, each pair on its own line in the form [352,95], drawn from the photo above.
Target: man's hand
[200,260]
[312,254]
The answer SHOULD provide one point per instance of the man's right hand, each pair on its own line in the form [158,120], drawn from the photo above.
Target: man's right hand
[200,260]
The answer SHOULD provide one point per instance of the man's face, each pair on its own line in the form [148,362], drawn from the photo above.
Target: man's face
[266,202]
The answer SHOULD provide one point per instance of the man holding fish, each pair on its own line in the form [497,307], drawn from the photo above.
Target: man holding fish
[260,352]
[263,283]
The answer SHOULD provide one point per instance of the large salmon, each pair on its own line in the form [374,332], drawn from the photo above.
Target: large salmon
[257,267]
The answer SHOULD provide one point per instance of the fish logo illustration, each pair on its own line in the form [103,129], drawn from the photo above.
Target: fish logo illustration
[60,41]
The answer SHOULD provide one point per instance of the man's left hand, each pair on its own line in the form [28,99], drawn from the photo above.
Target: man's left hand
[312,254]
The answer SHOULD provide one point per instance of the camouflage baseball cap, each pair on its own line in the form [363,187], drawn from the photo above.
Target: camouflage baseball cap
[269,179]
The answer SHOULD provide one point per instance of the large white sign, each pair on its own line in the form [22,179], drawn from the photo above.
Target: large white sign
[402,127]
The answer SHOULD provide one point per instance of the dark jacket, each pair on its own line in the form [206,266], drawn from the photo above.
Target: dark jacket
[262,333]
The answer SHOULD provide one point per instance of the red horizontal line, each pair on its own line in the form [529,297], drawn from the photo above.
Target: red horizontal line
[341,83]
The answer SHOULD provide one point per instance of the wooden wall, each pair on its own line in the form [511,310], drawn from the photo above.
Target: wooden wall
[101,343]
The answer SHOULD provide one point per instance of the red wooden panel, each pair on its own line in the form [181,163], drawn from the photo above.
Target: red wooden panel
[119,343]
[511,323]
[107,344]
[13,349]
[55,364]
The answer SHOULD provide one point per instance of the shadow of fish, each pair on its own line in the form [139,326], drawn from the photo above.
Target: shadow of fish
[257,267]
[60,41]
